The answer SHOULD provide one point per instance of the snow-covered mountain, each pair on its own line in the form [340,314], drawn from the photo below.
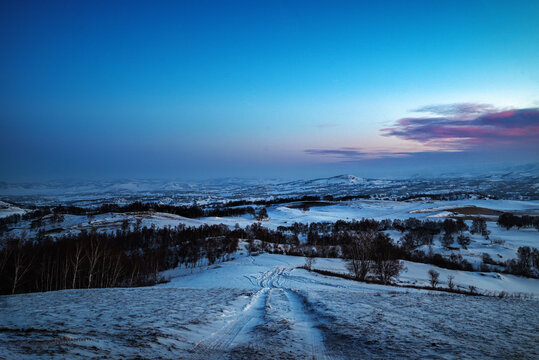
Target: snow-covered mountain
[516,182]
[336,180]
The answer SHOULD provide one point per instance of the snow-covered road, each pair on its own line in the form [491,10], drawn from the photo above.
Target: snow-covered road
[276,310]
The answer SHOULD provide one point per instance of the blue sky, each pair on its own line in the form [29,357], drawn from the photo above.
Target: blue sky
[266,89]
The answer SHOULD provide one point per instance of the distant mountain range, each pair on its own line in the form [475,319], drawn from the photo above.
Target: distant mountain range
[513,182]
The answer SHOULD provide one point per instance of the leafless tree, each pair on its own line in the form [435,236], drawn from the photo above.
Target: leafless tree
[94,252]
[76,258]
[388,269]
[386,266]
[21,263]
[434,278]
[450,283]
[360,261]
[310,258]
[116,270]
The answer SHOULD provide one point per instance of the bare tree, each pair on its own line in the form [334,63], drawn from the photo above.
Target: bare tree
[450,283]
[5,255]
[93,254]
[310,258]
[116,270]
[388,269]
[21,263]
[76,258]
[434,278]
[262,214]
[360,261]
[386,265]
[65,271]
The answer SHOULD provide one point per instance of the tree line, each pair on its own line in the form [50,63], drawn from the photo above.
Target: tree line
[124,258]
[336,239]
[134,256]
[508,221]
[38,216]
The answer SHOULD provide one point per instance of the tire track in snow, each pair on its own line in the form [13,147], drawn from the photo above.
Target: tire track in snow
[229,335]
[305,325]
[275,303]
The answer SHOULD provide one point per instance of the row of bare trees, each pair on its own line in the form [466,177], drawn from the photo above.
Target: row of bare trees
[98,260]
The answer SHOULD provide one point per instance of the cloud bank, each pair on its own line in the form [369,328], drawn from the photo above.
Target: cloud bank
[452,128]
[459,127]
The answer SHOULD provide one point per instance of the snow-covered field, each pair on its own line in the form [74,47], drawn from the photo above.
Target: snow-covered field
[6,209]
[502,246]
[237,275]
[264,307]
[283,215]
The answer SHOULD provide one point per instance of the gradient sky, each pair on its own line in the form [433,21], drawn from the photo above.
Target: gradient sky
[202,89]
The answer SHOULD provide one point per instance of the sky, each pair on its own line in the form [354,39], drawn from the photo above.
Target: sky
[271,89]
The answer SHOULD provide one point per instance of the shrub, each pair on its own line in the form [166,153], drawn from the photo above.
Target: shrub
[464,241]
[447,240]
[450,283]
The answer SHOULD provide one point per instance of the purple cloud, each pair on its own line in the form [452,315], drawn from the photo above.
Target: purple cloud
[342,152]
[450,128]
[465,126]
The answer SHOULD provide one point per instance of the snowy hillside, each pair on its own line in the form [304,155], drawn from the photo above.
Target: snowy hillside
[265,307]
[218,269]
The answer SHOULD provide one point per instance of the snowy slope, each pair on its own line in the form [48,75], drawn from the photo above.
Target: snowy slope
[7,209]
[263,307]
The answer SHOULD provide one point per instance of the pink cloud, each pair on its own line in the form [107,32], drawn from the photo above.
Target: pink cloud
[465,126]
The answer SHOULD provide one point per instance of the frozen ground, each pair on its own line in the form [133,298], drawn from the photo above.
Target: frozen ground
[264,307]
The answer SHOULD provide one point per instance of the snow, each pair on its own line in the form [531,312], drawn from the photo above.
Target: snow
[399,325]
[442,214]
[247,272]
[502,246]
[6,209]
[281,215]
[111,323]
[264,307]
[485,282]
[513,184]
